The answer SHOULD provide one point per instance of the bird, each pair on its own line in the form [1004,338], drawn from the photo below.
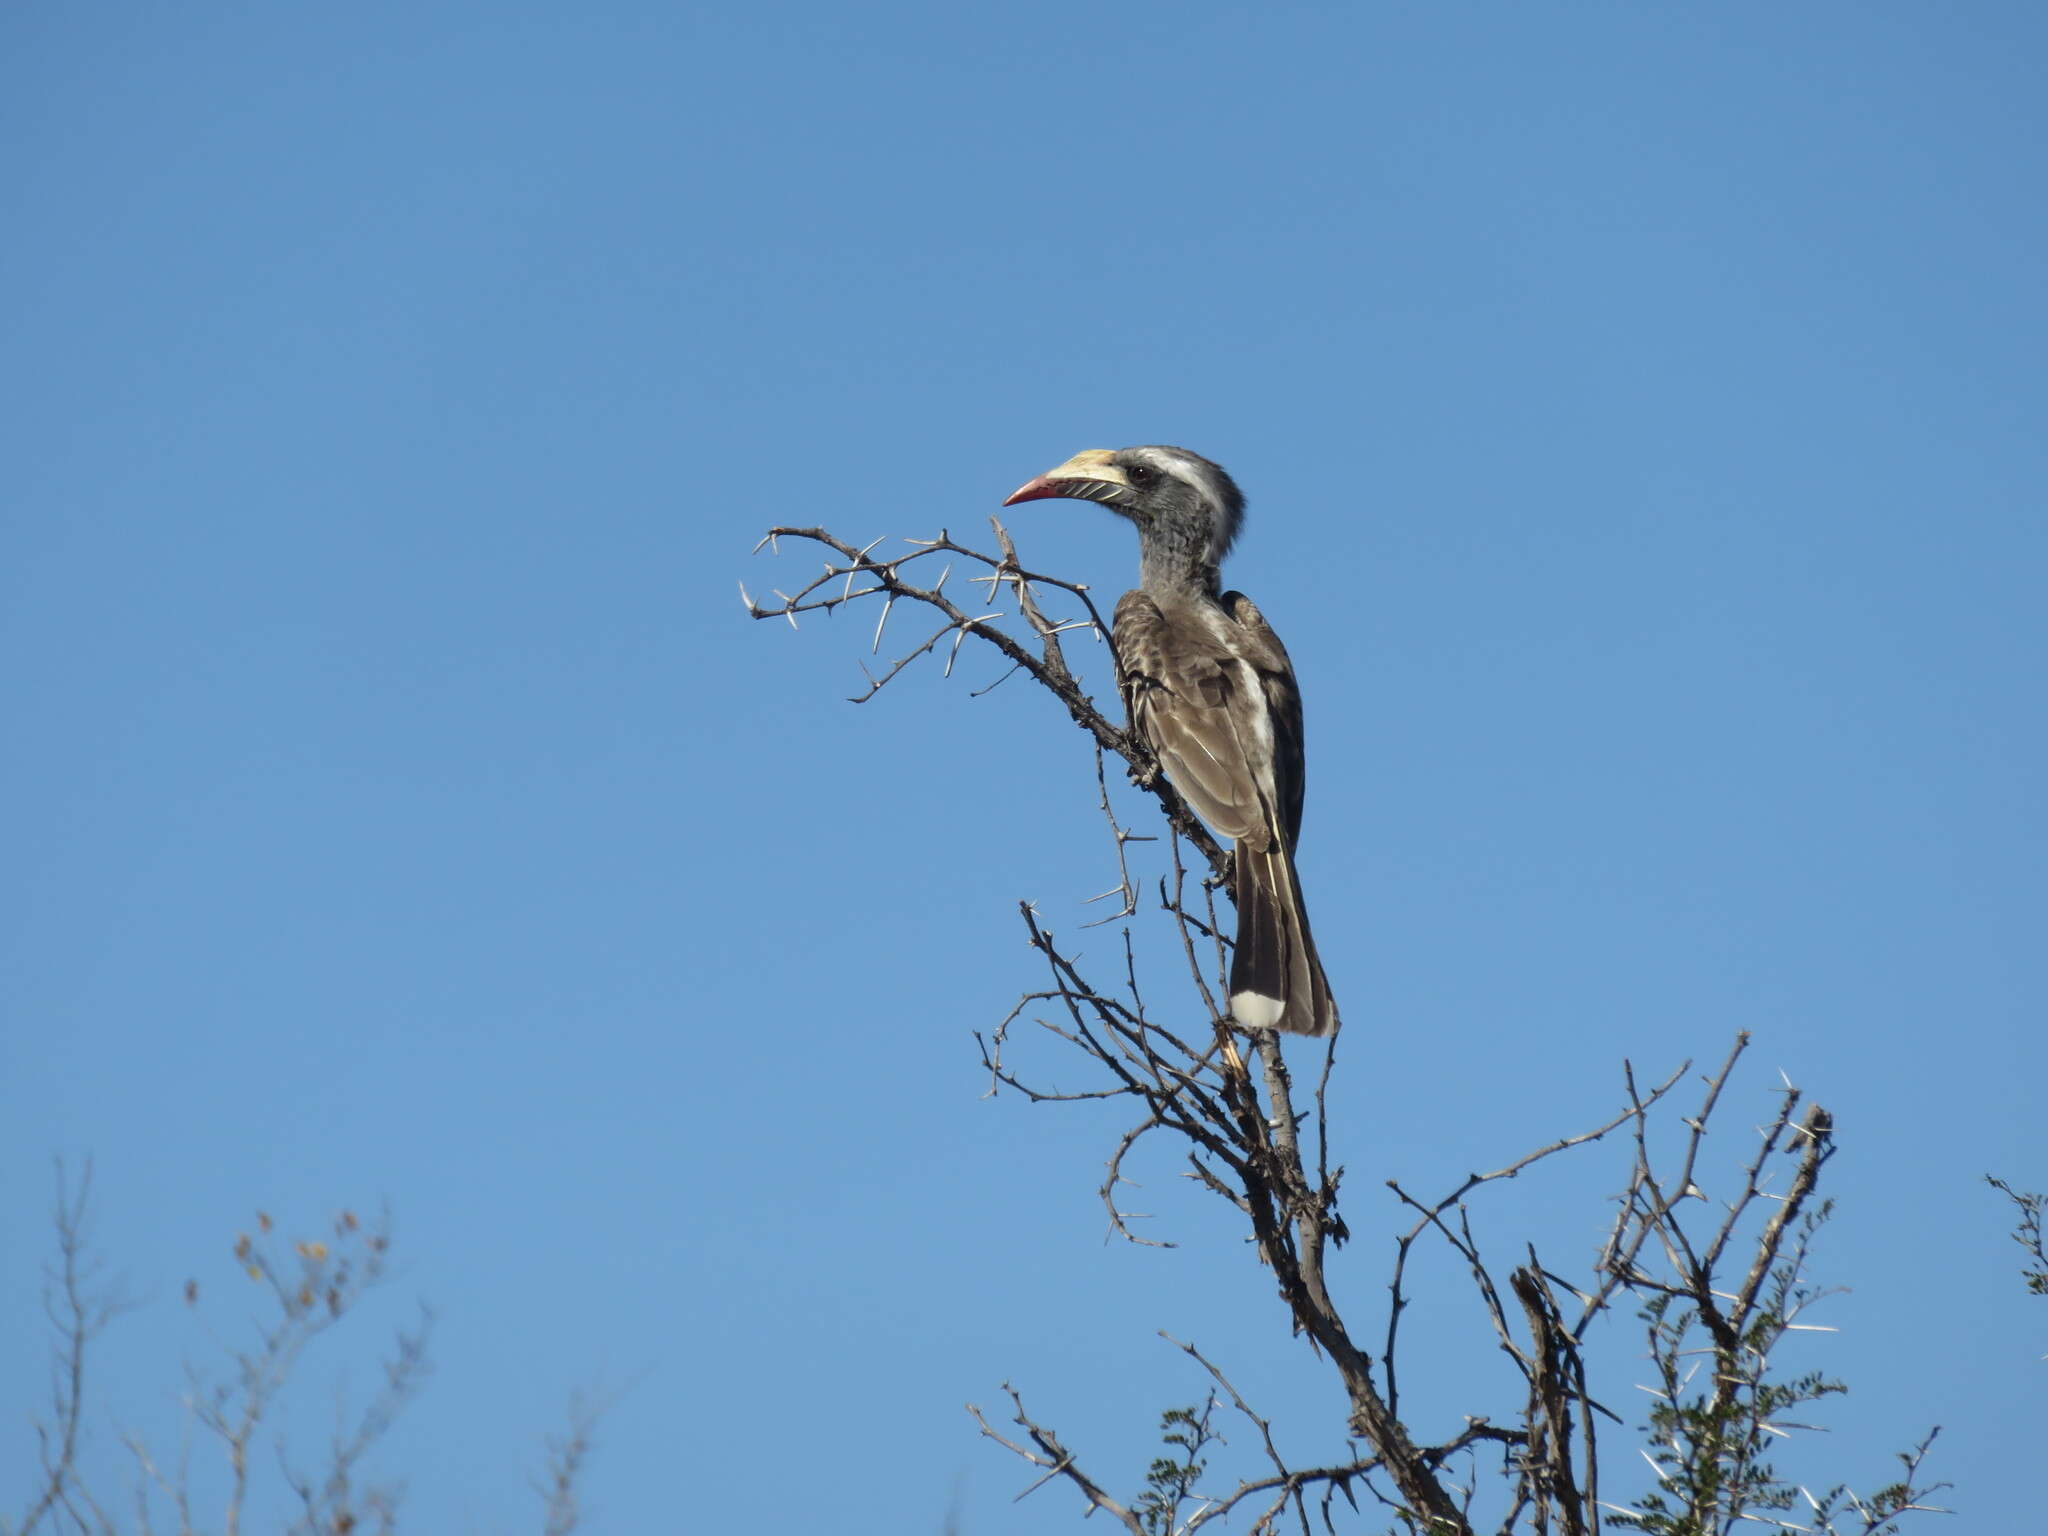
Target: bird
[1210,690]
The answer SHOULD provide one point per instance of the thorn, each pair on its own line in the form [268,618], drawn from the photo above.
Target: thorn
[964,625]
[887,603]
[745,598]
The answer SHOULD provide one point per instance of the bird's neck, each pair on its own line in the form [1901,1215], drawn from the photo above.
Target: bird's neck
[1175,563]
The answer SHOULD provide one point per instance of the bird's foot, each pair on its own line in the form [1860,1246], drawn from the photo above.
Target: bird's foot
[1227,878]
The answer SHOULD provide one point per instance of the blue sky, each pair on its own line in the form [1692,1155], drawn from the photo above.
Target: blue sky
[1640,407]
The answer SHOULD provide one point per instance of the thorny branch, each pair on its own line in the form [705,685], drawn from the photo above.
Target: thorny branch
[857,575]
[1046,1451]
[1227,1099]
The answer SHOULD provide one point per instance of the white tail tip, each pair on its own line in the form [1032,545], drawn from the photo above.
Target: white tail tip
[1255,1010]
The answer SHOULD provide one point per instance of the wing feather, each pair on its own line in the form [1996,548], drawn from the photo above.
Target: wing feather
[1200,708]
[1283,711]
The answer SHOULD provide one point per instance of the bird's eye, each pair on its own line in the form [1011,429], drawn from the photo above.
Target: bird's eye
[1140,474]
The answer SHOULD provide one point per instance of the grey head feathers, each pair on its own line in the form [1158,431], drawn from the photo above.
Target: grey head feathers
[1181,499]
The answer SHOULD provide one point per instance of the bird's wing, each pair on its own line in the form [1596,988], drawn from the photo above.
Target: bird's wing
[1199,699]
[1269,659]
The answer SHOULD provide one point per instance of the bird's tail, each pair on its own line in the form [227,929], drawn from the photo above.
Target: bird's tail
[1275,976]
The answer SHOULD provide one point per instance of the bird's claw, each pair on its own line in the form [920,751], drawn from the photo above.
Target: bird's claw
[1229,875]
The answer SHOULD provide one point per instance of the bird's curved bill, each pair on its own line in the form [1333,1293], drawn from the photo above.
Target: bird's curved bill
[1086,476]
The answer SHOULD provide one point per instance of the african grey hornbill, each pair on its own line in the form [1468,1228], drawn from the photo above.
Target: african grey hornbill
[1210,690]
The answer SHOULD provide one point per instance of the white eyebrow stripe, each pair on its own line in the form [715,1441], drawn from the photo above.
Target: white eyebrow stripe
[1199,473]
[1191,470]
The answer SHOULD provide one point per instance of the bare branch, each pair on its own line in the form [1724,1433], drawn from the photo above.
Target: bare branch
[1057,1462]
[1046,664]
[79,1306]
[567,1454]
[2027,1233]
